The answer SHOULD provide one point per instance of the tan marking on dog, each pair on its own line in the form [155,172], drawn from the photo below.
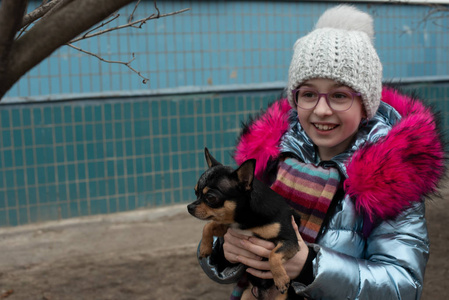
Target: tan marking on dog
[223,214]
[209,231]
[215,229]
[226,213]
[205,190]
[202,211]
[280,277]
[269,231]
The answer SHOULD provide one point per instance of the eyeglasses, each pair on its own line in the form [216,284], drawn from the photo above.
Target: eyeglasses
[337,100]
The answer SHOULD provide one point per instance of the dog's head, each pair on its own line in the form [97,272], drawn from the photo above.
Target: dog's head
[220,188]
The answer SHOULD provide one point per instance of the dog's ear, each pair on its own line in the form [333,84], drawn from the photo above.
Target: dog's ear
[211,162]
[245,173]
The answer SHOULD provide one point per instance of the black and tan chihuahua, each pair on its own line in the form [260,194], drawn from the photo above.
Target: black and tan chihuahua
[236,199]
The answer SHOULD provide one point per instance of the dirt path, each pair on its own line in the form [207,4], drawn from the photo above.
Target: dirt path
[143,255]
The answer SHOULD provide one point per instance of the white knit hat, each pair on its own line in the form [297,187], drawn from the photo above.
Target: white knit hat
[340,48]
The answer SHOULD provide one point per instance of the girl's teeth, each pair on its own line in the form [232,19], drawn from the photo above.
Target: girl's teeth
[324,127]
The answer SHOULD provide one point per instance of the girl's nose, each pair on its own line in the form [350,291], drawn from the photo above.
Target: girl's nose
[322,108]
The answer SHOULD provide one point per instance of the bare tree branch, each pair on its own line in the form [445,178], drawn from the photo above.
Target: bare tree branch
[130,24]
[58,6]
[38,12]
[50,33]
[59,22]
[128,64]
[141,21]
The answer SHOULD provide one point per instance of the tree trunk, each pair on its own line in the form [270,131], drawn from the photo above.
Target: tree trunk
[49,34]
[11,13]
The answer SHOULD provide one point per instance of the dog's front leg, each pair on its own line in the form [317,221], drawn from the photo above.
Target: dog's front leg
[281,253]
[209,231]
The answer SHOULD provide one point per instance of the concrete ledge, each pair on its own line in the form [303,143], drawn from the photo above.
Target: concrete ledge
[122,217]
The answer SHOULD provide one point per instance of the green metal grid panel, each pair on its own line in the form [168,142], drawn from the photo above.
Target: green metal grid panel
[73,159]
[82,158]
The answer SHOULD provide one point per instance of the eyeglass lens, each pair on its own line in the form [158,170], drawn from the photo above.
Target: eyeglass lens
[338,100]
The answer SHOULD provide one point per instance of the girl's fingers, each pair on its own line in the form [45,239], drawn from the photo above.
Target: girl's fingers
[260,274]
[231,252]
[261,265]
[262,243]
[238,233]
[255,248]
[258,246]
[233,247]
[295,227]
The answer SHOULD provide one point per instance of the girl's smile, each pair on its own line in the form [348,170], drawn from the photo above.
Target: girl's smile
[325,127]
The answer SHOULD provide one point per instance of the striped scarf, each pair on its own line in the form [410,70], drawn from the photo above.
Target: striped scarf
[309,190]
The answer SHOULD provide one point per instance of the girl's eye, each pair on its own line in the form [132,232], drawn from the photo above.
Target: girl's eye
[340,95]
[308,94]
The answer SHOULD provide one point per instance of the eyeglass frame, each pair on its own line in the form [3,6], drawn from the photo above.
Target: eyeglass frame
[353,94]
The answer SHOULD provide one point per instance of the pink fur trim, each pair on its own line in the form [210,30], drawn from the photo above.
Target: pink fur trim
[266,132]
[401,167]
[404,105]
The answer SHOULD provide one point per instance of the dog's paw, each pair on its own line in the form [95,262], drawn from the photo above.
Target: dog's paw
[205,250]
[282,284]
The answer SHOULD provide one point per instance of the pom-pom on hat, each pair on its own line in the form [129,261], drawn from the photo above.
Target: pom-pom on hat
[340,48]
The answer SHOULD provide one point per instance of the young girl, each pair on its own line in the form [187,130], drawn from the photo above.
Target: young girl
[355,159]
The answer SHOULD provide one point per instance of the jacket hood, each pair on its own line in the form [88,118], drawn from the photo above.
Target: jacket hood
[384,174]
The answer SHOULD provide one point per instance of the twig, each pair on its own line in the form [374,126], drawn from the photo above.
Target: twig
[86,36]
[103,24]
[128,64]
[158,12]
[38,12]
[56,7]
[22,31]
[154,17]
[157,16]
[131,17]
[432,15]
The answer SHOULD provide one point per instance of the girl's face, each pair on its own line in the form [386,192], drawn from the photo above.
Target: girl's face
[331,131]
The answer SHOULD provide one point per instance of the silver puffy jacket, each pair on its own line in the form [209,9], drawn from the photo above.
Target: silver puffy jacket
[356,258]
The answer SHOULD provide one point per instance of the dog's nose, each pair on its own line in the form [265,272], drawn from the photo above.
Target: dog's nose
[191,208]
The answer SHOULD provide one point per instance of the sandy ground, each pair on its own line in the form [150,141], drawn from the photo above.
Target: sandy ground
[143,255]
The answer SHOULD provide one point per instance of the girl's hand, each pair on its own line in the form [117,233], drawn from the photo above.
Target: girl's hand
[234,247]
[252,250]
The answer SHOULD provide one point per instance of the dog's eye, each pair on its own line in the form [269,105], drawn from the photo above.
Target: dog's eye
[212,199]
